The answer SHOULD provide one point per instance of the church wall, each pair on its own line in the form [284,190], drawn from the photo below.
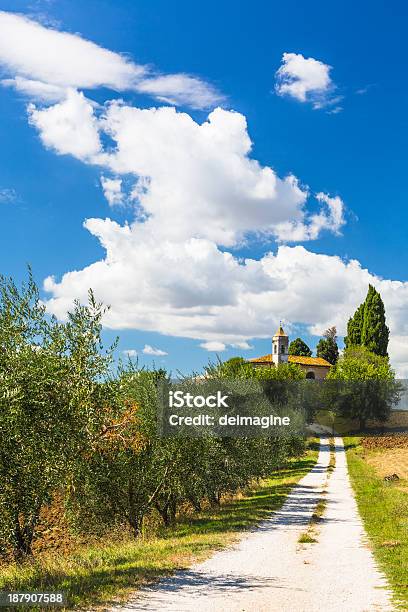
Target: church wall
[320,372]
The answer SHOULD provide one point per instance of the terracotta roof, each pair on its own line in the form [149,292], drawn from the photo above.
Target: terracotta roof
[312,361]
[264,359]
[280,332]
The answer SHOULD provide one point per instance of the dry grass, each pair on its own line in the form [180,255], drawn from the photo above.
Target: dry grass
[398,419]
[385,441]
[388,455]
[389,461]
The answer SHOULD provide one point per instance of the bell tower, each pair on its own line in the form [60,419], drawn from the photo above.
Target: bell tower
[280,346]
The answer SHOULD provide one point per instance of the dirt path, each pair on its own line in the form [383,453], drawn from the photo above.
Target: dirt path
[268,570]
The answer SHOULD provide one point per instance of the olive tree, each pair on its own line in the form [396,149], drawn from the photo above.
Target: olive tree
[362,386]
[49,377]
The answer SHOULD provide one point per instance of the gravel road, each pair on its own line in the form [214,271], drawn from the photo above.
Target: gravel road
[268,570]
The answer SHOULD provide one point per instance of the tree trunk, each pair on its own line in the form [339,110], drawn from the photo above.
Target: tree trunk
[195,503]
[136,512]
[23,538]
[163,510]
[172,510]
[136,524]
[214,498]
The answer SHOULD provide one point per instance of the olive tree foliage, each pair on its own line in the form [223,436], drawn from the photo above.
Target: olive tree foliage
[49,381]
[133,471]
[129,464]
[362,386]
[299,348]
[67,424]
[237,368]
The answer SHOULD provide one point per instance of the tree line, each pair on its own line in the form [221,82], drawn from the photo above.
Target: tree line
[74,425]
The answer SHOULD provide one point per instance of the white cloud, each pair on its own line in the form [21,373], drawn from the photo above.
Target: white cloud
[36,90]
[130,352]
[244,346]
[43,62]
[194,290]
[213,346]
[181,89]
[191,179]
[31,50]
[150,350]
[201,179]
[329,218]
[112,190]
[69,127]
[306,80]
[198,189]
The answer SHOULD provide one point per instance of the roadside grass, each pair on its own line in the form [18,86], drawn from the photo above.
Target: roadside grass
[310,535]
[319,511]
[332,462]
[306,538]
[384,509]
[107,573]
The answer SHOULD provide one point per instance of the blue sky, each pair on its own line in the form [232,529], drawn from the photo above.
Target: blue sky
[357,153]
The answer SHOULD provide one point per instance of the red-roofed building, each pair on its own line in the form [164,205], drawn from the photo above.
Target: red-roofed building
[314,367]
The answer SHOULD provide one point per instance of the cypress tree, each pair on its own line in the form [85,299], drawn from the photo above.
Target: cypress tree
[327,346]
[375,333]
[355,328]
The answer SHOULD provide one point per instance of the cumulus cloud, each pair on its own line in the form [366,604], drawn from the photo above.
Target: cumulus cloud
[156,352]
[217,298]
[44,62]
[190,179]
[68,127]
[112,190]
[306,80]
[200,180]
[213,346]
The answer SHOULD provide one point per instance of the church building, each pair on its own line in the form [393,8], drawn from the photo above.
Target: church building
[314,367]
